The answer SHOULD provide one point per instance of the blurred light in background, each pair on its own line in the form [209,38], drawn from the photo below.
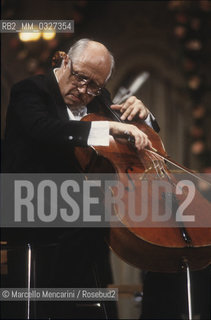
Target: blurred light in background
[48,35]
[29,36]
[35,35]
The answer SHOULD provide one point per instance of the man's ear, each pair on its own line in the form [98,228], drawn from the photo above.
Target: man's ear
[66,61]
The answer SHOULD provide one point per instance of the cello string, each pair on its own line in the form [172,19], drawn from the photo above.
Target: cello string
[165,173]
[161,167]
[155,156]
[176,165]
[163,170]
[144,162]
[152,159]
[157,165]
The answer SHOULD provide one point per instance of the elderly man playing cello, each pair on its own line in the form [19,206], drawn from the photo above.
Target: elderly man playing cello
[44,111]
[42,130]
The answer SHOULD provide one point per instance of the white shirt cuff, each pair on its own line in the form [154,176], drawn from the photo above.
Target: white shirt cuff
[148,119]
[99,134]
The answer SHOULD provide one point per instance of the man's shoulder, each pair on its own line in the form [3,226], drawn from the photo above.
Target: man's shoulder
[39,81]
[44,87]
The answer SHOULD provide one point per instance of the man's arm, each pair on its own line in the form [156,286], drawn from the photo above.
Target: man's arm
[36,116]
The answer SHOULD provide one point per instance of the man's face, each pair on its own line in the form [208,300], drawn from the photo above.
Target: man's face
[92,66]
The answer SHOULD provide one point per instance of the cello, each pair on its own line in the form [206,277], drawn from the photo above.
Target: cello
[155,246]
[167,247]
[160,247]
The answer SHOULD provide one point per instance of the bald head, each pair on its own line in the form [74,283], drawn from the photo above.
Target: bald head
[94,54]
[84,72]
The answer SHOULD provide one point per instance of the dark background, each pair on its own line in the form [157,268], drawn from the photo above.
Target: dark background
[169,39]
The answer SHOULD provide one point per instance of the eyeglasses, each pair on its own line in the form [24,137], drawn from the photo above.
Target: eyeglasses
[80,80]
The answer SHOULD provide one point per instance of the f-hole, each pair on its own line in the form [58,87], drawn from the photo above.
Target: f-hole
[130,179]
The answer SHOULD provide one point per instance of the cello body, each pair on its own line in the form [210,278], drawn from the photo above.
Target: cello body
[160,246]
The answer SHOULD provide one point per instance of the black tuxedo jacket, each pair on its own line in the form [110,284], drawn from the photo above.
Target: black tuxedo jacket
[38,127]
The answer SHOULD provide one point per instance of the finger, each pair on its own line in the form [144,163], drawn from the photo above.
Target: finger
[126,113]
[143,113]
[139,139]
[149,144]
[125,105]
[130,101]
[116,106]
[143,141]
[133,113]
